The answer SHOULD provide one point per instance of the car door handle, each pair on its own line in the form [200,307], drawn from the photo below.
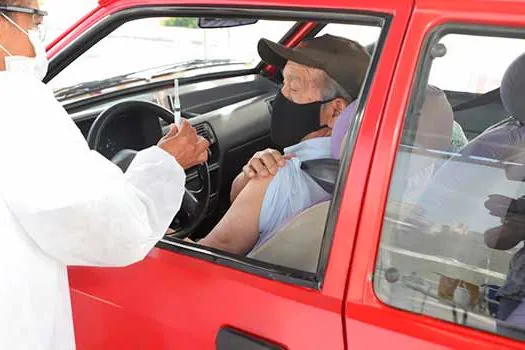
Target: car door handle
[232,339]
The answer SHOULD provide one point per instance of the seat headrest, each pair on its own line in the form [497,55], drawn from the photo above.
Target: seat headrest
[435,121]
[512,89]
[341,128]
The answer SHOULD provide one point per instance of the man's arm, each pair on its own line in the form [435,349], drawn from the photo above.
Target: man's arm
[238,230]
[262,164]
[238,185]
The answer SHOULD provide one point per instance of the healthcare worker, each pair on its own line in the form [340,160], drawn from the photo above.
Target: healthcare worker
[62,204]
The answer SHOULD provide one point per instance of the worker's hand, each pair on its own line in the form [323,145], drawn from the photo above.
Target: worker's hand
[188,148]
[265,163]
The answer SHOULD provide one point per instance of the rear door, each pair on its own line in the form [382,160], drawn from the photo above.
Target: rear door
[186,297]
[417,281]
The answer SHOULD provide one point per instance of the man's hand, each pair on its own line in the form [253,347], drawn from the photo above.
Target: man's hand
[262,164]
[265,163]
[512,213]
[505,207]
[185,145]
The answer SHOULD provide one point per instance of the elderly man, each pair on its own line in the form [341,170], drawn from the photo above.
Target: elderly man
[322,76]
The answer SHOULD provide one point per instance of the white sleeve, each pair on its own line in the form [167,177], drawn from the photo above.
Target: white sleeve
[76,205]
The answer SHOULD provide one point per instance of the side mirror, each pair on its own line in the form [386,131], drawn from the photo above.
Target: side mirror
[209,22]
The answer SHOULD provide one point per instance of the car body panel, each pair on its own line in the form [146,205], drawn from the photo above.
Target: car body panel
[174,301]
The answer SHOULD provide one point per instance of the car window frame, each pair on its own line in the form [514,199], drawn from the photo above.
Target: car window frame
[273,272]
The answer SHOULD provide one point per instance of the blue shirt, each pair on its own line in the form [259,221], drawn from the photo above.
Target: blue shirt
[291,190]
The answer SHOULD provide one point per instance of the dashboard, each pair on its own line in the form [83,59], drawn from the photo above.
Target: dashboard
[232,113]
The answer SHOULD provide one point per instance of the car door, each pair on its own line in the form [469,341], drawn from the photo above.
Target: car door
[183,296]
[432,286]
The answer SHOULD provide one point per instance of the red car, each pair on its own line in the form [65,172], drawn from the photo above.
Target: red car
[360,271]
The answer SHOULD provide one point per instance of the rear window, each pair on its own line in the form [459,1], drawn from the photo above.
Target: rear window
[452,245]
[474,64]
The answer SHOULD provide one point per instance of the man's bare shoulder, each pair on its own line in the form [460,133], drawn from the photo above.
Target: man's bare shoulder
[259,184]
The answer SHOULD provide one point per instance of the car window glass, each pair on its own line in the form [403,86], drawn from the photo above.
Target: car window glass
[452,241]
[474,63]
[153,44]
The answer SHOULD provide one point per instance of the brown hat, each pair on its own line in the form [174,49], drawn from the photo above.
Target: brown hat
[342,59]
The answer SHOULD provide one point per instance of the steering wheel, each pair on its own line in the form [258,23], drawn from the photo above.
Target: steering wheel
[195,202]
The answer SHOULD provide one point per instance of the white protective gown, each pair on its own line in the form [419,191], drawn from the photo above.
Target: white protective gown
[63,204]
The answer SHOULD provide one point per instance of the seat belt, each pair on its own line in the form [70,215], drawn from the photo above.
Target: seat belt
[481,100]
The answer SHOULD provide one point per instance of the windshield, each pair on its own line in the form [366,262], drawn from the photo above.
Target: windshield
[155,46]
[63,14]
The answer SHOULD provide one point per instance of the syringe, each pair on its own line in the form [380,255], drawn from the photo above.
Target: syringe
[176,104]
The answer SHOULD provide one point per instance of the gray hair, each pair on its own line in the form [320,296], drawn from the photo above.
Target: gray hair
[332,89]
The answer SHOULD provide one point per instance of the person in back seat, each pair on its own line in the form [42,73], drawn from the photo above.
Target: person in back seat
[322,76]
[454,201]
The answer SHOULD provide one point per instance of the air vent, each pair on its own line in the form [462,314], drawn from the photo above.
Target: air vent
[269,103]
[206,131]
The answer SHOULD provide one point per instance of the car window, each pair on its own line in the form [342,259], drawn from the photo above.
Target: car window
[153,45]
[291,225]
[469,66]
[452,240]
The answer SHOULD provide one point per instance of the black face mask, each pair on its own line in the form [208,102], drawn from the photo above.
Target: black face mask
[292,121]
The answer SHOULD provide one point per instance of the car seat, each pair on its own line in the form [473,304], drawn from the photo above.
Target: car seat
[427,137]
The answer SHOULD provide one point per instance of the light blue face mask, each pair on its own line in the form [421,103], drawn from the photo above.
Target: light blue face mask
[37,65]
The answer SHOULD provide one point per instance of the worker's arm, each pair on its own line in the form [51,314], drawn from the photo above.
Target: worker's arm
[77,206]
[238,230]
